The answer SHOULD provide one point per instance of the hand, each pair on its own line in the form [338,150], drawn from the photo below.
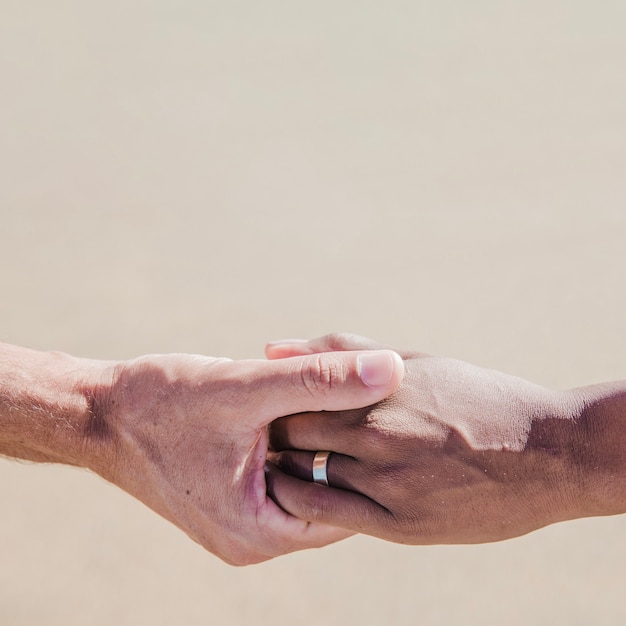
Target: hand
[187,436]
[459,454]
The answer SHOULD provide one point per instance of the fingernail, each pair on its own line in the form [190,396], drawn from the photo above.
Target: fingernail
[376,368]
[279,342]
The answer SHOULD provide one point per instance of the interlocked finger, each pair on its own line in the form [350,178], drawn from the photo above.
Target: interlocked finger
[342,472]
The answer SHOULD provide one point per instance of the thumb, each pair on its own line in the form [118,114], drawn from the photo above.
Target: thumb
[331,381]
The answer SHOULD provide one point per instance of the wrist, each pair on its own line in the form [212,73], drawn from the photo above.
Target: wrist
[552,459]
[49,407]
[600,453]
[94,446]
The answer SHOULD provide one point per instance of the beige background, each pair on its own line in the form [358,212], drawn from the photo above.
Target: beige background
[204,176]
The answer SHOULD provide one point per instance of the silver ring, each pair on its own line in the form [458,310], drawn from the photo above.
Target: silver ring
[320,465]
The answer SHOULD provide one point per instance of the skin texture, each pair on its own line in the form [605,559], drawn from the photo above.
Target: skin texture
[185,434]
[459,454]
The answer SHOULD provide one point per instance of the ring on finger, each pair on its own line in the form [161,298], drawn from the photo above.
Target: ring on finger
[320,468]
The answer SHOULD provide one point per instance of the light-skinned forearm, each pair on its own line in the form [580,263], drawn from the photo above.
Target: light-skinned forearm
[49,407]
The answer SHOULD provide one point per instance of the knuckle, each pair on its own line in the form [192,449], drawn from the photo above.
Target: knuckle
[323,374]
[318,508]
[382,434]
[409,528]
[336,341]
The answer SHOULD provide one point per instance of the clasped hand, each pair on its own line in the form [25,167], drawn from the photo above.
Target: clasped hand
[422,449]
[458,454]
[187,435]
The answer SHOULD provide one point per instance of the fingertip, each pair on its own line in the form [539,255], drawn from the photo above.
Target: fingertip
[399,369]
[382,369]
[329,381]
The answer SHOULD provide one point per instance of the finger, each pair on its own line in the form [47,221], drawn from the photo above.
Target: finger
[320,382]
[316,503]
[276,533]
[342,471]
[289,533]
[336,342]
[336,431]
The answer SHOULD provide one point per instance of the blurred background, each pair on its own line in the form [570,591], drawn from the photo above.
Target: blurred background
[205,176]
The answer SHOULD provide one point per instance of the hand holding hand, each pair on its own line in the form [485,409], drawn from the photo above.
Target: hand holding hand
[187,436]
[459,454]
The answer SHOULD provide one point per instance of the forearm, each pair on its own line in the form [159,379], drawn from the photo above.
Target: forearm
[48,407]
